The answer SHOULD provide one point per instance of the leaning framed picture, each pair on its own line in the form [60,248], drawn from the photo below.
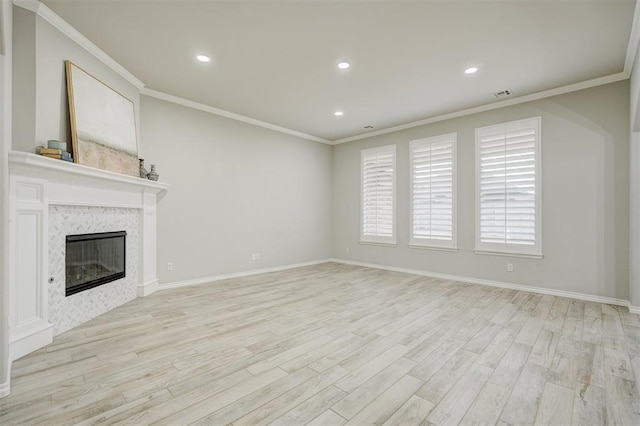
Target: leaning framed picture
[103,124]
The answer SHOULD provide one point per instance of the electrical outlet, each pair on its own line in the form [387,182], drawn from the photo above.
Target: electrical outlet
[170,266]
[509,267]
[347,249]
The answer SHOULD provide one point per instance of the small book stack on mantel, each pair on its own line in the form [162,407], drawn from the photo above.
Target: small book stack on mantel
[56,149]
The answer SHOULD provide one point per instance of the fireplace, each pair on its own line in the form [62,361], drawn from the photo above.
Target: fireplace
[92,260]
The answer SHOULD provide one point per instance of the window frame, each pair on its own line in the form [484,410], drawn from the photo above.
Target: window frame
[506,249]
[429,243]
[376,239]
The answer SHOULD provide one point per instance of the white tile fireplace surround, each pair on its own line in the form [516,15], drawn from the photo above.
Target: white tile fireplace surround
[50,199]
[66,312]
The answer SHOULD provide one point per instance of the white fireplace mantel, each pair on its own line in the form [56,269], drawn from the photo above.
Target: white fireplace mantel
[37,182]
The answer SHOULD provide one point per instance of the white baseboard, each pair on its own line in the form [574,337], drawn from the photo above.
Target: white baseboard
[147,288]
[196,281]
[31,341]
[4,389]
[470,280]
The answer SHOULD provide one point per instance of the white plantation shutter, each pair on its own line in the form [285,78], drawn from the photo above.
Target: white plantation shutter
[433,198]
[508,187]
[378,168]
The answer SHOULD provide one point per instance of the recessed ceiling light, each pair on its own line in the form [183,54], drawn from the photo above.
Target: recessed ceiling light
[471,70]
[203,58]
[368,127]
[338,113]
[344,65]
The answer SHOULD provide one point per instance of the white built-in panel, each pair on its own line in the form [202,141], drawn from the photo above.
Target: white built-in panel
[29,328]
[29,267]
[29,192]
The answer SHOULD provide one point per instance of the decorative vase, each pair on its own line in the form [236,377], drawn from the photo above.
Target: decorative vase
[143,171]
[153,175]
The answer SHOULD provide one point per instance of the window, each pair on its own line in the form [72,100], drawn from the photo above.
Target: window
[378,168]
[433,196]
[508,188]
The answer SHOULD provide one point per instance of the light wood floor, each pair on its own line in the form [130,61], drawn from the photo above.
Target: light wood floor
[334,344]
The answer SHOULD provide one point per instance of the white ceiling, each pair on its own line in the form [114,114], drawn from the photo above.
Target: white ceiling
[276,61]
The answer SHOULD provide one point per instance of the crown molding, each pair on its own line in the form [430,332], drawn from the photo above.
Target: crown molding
[48,15]
[488,107]
[634,40]
[232,115]
[64,27]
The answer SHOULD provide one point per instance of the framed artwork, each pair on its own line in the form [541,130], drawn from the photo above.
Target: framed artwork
[103,124]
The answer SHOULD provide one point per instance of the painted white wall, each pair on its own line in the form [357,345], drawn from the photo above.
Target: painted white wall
[6,50]
[236,189]
[585,172]
[40,90]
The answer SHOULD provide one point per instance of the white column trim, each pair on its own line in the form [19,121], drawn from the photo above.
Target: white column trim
[6,50]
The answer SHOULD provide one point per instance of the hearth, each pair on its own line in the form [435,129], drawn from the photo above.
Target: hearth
[92,260]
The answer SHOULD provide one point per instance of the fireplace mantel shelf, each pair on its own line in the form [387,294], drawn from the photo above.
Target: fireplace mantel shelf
[48,168]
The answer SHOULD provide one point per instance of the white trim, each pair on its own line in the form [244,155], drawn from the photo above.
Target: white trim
[40,166]
[6,74]
[48,15]
[204,280]
[519,287]
[634,309]
[634,40]
[35,339]
[378,243]
[5,389]
[232,115]
[427,247]
[147,288]
[508,254]
[600,81]
[64,27]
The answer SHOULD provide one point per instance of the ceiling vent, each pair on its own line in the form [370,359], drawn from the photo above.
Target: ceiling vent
[502,94]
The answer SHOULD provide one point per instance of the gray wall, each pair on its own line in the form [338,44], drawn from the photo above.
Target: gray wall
[585,198]
[236,189]
[40,90]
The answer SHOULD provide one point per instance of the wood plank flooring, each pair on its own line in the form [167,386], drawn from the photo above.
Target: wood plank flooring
[334,344]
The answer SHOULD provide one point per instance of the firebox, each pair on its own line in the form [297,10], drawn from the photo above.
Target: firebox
[94,259]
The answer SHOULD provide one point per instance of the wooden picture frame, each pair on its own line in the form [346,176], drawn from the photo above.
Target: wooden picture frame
[103,125]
